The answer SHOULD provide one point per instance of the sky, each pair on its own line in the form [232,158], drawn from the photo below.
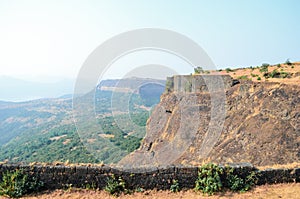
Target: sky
[42,39]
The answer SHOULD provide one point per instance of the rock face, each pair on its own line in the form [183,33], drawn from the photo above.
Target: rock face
[247,122]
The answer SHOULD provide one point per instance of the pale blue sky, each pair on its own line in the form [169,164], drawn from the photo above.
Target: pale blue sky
[53,38]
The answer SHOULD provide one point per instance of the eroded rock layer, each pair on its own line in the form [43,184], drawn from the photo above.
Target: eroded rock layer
[249,122]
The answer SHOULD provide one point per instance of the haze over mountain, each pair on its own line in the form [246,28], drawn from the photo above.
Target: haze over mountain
[14,89]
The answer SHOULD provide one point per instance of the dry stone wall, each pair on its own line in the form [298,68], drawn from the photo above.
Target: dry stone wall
[61,176]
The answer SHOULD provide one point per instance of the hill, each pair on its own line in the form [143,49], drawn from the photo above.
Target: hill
[287,73]
[260,124]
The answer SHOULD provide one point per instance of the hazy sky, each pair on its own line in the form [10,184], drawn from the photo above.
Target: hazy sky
[53,38]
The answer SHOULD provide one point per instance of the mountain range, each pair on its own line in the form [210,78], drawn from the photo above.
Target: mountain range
[13,89]
[43,130]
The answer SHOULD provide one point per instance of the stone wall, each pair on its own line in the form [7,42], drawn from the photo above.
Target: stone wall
[61,176]
[198,83]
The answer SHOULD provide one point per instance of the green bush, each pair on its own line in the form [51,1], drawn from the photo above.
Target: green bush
[175,186]
[209,179]
[213,178]
[115,186]
[235,182]
[258,78]
[264,68]
[265,65]
[16,184]
[228,70]
[274,73]
[284,74]
[198,70]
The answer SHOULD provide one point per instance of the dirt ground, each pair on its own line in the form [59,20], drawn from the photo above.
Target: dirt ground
[291,191]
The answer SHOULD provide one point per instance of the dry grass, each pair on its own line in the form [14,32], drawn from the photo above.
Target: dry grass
[281,166]
[290,191]
[250,72]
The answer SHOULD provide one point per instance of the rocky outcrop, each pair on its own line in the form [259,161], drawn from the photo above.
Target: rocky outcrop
[246,122]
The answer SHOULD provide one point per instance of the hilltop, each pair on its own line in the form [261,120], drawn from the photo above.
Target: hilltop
[280,73]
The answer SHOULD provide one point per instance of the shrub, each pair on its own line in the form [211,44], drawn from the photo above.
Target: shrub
[213,178]
[228,70]
[274,73]
[264,68]
[238,183]
[16,184]
[284,74]
[258,78]
[209,179]
[175,186]
[115,186]
[266,75]
[198,70]
[139,190]
[265,65]
[278,65]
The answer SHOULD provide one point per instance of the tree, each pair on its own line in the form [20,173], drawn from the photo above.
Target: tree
[264,68]
[198,70]
[288,62]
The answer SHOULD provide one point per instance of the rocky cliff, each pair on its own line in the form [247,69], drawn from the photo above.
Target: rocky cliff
[239,121]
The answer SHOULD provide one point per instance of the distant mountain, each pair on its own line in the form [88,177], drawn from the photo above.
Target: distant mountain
[5,103]
[13,89]
[131,84]
[43,130]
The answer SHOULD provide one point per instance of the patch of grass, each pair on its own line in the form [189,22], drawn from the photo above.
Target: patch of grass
[284,74]
[244,77]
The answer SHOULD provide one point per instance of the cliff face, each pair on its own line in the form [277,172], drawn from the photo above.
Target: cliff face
[249,122]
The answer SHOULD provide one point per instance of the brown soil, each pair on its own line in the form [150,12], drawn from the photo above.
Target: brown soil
[290,191]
